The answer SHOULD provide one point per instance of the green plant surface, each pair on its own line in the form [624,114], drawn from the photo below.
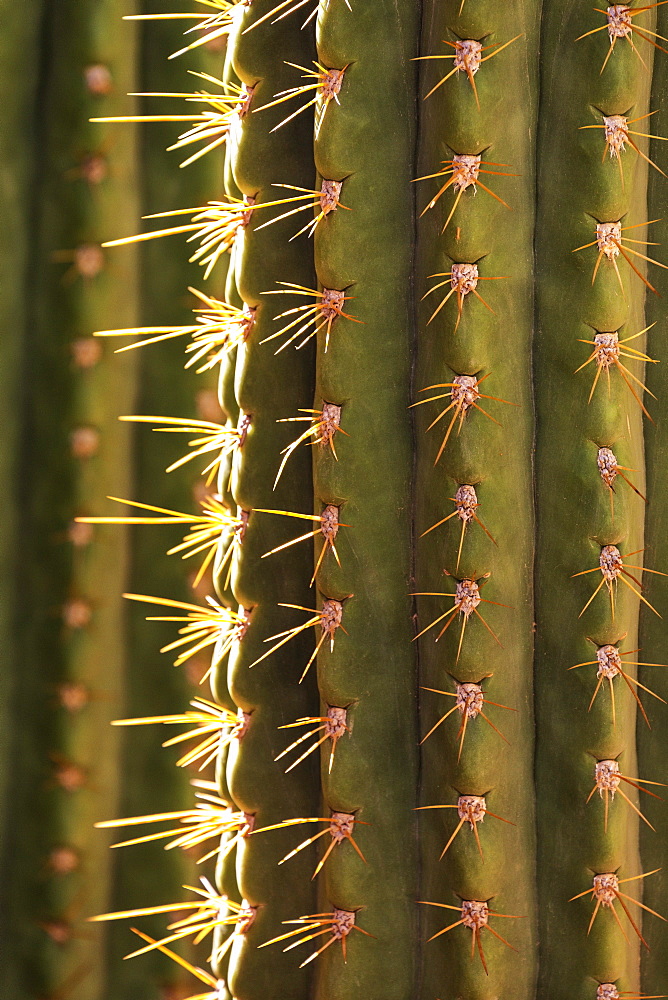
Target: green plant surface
[576,515]
[438,226]
[652,641]
[365,140]
[143,874]
[267,389]
[488,449]
[71,630]
[20,50]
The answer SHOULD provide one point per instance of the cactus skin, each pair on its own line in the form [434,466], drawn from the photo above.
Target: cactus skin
[364,144]
[367,141]
[142,873]
[269,388]
[652,743]
[64,753]
[495,459]
[575,517]
[19,46]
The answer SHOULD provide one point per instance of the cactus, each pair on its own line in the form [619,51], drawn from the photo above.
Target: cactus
[407,195]
[70,621]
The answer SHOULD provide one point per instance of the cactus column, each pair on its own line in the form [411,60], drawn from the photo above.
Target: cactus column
[475,281]
[365,145]
[19,41]
[588,300]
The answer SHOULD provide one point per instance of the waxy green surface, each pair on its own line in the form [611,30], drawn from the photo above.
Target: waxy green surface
[494,456]
[268,388]
[19,50]
[71,628]
[367,141]
[576,188]
[652,742]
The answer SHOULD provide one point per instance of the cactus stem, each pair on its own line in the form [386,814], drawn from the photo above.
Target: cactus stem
[464,391]
[605,890]
[469,701]
[465,170]
[607,778]
[475,915]
[607,352]
[610,665]
[67,986]
[329,527]
[327,198]
[471,809]
[324,425]
[327,86]
[338,923]
[612,569]
[329,620]
[314,316]
[464,278]
[468,59]
[204,626]
[333,725]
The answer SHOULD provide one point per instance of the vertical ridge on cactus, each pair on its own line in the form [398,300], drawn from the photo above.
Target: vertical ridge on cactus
[578,527]
[20,51]
[651,752]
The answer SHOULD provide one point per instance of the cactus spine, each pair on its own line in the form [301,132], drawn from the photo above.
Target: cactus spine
[433,319]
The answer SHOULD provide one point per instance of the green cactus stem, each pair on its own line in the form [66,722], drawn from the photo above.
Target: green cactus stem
[65,759]
[364,140]
[473,516]
[440,254]
[588,301]
[20,49]
[267,389]
[652,742]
